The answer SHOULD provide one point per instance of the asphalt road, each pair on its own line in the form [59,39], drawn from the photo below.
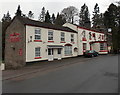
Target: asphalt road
[96,75]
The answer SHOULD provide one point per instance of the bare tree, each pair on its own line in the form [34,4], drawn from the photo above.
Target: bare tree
[69,13]
[30,15]
[42,15]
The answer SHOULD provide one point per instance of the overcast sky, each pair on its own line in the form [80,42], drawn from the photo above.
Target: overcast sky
[53,6]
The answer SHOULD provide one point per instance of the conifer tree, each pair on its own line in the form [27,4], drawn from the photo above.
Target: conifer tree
[60,20]
[84,17]
[53,18]
[47,17]
[42,15]
[19,12]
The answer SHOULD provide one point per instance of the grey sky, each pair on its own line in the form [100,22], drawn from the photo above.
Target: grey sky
[53,6]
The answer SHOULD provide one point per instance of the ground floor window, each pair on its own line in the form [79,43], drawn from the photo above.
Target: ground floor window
[59,50]
[103,46]
[37,52]
[68,50]
[84,46]
[50,51]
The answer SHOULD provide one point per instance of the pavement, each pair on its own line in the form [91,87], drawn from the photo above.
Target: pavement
[40,66]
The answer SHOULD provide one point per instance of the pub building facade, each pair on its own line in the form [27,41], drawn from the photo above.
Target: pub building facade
[31,41]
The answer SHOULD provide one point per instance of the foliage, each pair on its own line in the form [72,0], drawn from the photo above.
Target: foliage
[30,14]
[69,13]
[42,15]
[84,17]
[47,17]
[59,20]
[5,22]
[53,18]
[19,12]
[112,20]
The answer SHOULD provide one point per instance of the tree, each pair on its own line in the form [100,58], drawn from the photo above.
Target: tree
[69,13]
[53,18]
[47,17]
[96,16]
[6,18]
[60,20]
[5,23]
[30,14]
[19,12]
[42,15]
[118,20]
[111,21]
[84,17]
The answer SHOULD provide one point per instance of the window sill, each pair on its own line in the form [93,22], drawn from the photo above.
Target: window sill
[103,51]
[51,41]
[73,42]
[37,57]
[37,40]
[84,39]
[69,55]
[62,42]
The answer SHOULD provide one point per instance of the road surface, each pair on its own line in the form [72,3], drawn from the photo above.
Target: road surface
[96,75]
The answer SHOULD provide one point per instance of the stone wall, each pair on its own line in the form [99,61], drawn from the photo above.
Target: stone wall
[15,45]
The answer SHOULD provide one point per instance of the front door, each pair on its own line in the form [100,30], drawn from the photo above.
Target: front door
[50,54]
[59,53]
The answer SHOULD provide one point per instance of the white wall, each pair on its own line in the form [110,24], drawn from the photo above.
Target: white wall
[95,46]
[30,47]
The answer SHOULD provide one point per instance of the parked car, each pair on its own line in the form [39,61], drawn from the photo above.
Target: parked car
[90,53]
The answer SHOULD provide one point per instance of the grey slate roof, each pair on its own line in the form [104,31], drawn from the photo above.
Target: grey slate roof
[27,21]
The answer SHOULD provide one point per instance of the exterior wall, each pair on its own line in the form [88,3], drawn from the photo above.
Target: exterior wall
[95,46]
[73,27]
[30,46]
[100,37]
[15,45]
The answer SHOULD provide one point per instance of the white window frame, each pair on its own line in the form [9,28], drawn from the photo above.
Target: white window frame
[72,37]
[62,36]
[90,35]
[68,50]
[37,34]
[50,35]
[37,51]
[84,34]
[102,46]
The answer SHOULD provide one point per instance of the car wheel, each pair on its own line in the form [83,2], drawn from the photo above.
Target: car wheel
[92,55]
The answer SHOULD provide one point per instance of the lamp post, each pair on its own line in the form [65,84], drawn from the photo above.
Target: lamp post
[109,39]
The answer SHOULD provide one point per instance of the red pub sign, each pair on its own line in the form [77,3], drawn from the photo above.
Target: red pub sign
[14,37]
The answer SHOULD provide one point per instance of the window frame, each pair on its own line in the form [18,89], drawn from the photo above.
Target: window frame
[50,35]
[68,50]
[37,34]
[102,46]
[62,37]
[38,52]
[72,38]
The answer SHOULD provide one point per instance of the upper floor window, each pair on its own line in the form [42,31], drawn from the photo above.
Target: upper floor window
[50,35]
[84,34]
[37,34]
[90,35]
[62,36]
[72,37]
